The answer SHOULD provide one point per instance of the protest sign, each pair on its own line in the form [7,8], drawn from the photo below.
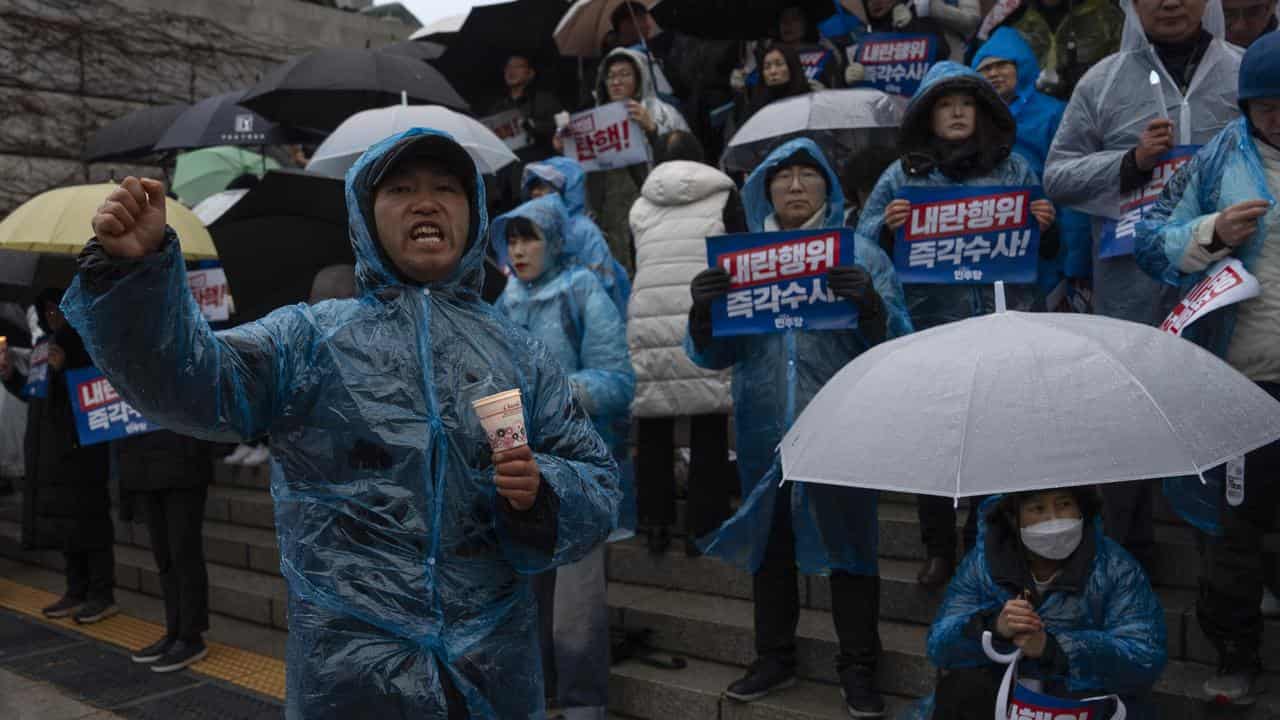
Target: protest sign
[814,61]
[1026,704]
[968,235]
[1118,235]
[605,138]
[895,63]
[509,127]
[778,281]
[38,373]
[100,414]
[209,288]
[1226,283]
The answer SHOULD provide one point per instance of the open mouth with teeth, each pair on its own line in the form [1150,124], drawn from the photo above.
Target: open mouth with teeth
[426,233]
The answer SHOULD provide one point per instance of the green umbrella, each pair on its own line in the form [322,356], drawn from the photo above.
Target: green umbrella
[201,173]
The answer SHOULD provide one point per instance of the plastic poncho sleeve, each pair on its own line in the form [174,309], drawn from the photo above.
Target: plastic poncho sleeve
[1170,225]
[885,280]
[952,642]
[1079,173]
[606,384]
[233,385]
[720,353]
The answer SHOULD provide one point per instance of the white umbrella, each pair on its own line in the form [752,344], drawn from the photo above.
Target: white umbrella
[582,29]
[844,119]
[213,207]
[1019,401]
[357,133]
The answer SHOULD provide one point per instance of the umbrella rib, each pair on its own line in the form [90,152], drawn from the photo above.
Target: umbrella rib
[964,429]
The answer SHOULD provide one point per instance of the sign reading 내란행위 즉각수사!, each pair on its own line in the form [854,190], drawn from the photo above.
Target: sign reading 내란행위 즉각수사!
[1118,236]
[895,63]
[100,414]
[968,235]
[605,138]
[778,281]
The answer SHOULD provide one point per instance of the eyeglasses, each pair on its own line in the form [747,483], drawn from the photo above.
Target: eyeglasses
[808,178]
[620,75]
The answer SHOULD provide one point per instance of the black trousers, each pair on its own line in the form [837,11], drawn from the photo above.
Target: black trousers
[855,602]
[966,694]
[1127,516]
[91,575]
[938,524]
[711,480]
[174,520]
[1232,587]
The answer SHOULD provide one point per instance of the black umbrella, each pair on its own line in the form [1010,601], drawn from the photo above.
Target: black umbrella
[737,19]
[321,89]
[222,120]
[23,274]
[133,135]
[423,50]
[273,241]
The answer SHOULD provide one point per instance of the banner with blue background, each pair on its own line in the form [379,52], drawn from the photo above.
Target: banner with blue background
[968,235]
[101,415]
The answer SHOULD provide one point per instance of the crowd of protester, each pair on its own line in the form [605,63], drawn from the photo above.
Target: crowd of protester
[607,271]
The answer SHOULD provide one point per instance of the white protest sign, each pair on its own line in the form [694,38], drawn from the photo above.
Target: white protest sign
[1226,283]
[605,138]
[509,127]
[209,288]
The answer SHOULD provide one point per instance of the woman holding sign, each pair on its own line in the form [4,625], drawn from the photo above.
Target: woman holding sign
[975,224]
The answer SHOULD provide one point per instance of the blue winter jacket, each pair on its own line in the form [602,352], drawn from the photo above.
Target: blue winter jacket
[774,378]
[935,304]
[584,244]
[568,311]
[1106,624]
[402,561]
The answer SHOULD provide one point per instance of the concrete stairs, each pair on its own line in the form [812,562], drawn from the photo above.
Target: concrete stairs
[697,608]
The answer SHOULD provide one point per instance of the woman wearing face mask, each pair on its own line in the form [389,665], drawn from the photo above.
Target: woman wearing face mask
[564,305]
[1045,579]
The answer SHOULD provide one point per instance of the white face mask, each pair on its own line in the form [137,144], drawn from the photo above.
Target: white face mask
[1054,539]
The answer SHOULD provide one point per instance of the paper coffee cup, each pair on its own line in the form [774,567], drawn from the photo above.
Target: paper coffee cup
[502,417]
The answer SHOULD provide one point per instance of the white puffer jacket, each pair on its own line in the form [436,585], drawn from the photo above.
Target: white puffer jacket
[680,205]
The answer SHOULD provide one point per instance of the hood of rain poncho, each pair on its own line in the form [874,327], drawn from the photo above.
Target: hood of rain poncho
[645,89]
[563,174]
[549,215]
[1007,44]
[1260,68]
[755,192]
[1037,115]
[948,77]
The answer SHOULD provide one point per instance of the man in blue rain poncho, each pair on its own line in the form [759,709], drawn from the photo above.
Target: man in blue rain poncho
[584,244]
[1223,203]
[564,307]
[403,537]
[822,529]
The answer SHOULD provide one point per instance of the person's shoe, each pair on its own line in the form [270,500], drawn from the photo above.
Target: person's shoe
[257,456]
[936,572]
[65,606]
[861,699]
[182,654]
[763,677]
[1237,687]
[1270,606]
[237,456]
[154,651]
[94,611]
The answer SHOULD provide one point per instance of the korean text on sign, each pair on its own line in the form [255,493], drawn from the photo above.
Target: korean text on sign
[509,127]
[968,235]
[1226,283]
[896,62]
[1118,235]
[778,281]
[209,288]
[101,415]
[604,138]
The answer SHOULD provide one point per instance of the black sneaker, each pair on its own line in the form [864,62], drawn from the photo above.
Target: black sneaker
[64,607]
[763,677]
[154,651]
[860,697]
[182,654]
[95,610]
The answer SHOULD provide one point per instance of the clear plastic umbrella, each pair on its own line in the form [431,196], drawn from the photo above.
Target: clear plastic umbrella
[357,133]
[1027,401]
[841,121]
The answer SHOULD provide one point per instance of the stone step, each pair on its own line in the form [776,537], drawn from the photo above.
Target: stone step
[239,476]
[240,506]
[719,630]
[233,546]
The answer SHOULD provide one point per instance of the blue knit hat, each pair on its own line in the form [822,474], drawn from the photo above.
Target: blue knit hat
[1260,69]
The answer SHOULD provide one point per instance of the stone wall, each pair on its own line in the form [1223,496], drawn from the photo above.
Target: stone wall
[69,66]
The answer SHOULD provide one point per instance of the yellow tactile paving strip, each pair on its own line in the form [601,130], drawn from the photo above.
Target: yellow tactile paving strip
[249,670]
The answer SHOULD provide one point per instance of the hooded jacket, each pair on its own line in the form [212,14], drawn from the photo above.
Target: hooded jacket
[567,311]
[1112,105]
[931,304]
[774,378]
[664,115]
[584,244]
[1106,623]
[682,203]
[403,563]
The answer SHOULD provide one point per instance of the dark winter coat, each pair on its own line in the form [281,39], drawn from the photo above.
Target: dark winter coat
[161,460]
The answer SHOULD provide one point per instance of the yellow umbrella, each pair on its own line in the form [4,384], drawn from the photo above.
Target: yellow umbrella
[59,221]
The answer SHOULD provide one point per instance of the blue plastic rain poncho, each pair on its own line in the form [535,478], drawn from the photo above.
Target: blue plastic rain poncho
[584,244]
[568,310]
[774,378]
[1099,609]
[932,305]
[1107,113]
[402,561]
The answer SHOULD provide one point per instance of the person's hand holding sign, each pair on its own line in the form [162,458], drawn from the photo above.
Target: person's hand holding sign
[854,284]
[896,214]
[1155,141]
[1044,212]
[130,224]
[640,114]
[1238,223]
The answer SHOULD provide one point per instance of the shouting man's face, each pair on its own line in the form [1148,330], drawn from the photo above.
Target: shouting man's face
[423,219]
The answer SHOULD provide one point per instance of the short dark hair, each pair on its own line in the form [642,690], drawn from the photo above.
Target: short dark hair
[625,11]
[1006,512]
[681,145]
[521,227]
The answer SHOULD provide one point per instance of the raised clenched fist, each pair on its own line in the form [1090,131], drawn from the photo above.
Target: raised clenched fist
[130,223]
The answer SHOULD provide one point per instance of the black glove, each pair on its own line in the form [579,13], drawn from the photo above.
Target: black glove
[707,285]
[854,284]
